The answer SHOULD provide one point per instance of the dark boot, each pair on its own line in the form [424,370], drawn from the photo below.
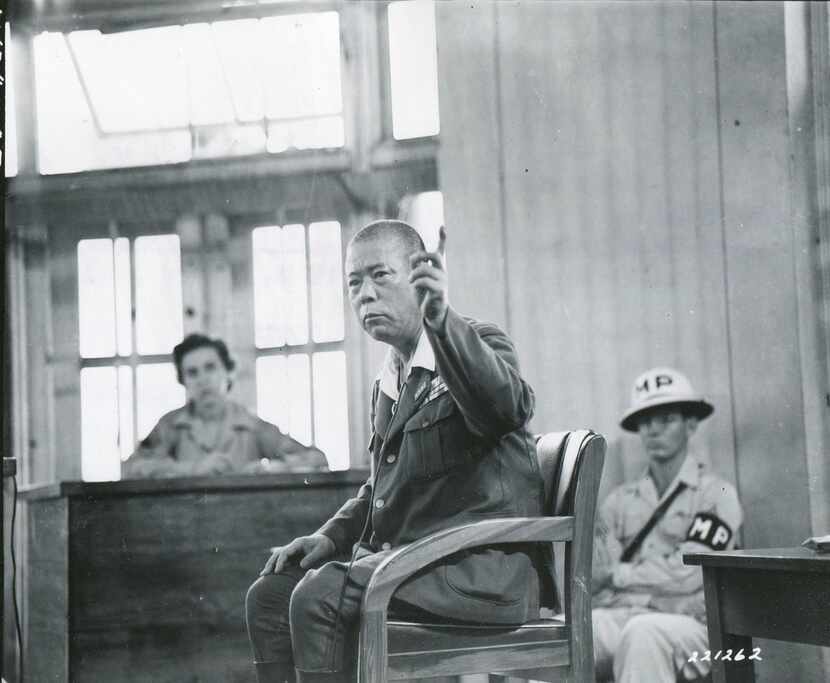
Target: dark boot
[273,672]
[315,677]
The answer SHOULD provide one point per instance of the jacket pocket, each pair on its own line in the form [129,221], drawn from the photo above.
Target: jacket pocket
[436,440]
[489,575]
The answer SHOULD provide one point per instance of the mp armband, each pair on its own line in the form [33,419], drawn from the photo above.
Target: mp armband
[710,530]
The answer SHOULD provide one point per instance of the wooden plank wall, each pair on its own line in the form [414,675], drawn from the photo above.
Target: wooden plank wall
[592,216]
[619,177]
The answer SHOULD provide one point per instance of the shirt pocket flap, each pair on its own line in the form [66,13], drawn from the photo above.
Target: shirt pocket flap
[431,413]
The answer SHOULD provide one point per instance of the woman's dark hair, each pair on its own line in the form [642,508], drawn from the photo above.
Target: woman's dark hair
[197,341]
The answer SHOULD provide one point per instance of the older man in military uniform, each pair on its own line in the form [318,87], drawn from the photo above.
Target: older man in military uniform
[649,615]
[449,446]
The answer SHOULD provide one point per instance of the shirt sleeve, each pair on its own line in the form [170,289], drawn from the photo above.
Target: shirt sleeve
[478,363]
[153,457]
[346,526]
[607,547]
[665,574]
[276,446]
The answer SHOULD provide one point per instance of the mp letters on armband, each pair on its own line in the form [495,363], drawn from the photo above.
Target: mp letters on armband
[710,530]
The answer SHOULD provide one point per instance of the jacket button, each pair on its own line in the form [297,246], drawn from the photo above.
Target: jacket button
[392,457]
[386,546]
[379,503]
[425,423]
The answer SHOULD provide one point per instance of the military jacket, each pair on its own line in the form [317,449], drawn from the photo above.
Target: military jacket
[453,449]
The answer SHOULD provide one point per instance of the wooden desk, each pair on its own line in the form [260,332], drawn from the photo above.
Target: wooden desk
[777,593]
[146,580]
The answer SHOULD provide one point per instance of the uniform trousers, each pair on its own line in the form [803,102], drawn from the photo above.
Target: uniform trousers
[638,645]
[293,621]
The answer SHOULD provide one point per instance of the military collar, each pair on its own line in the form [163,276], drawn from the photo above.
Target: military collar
[424,357]
[689,474]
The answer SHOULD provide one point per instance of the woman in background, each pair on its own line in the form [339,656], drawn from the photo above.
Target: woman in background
[212,434]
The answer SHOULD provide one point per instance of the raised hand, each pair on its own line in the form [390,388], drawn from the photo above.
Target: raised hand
[429,277]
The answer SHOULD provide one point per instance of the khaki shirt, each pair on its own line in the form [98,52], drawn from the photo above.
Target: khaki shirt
[176,447]
[656,577]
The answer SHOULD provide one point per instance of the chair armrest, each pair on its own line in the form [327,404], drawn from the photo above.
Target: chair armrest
[408,559]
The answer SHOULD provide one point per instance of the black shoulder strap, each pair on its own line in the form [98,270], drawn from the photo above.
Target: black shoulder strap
[656,516]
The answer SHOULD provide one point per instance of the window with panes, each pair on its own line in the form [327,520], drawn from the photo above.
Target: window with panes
[299,333]
[218,88]
[129,319]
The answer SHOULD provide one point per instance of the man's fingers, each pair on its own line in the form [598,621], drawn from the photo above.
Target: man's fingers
[429,259]
[269,565]
[442,241]
[284,553]
[428,284]
[426,270]
[312,558]
[280,563]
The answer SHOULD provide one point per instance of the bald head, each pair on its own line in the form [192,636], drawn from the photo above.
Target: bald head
[377,275]
[402,234]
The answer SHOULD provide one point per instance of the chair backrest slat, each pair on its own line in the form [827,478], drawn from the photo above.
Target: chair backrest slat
[559,454]
[549,450]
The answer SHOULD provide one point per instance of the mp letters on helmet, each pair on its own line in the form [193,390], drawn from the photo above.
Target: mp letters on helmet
[660,381]
[710,530]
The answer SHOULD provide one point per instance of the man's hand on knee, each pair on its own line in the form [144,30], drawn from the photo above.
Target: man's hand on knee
[309,549]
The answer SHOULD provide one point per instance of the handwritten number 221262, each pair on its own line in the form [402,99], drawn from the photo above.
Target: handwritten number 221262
[726,656]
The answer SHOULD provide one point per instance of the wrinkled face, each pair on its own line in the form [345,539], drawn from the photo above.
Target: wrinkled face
[206,380]
[377,276]
[665,432]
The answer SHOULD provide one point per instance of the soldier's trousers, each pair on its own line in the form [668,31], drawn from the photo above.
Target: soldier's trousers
[635,645]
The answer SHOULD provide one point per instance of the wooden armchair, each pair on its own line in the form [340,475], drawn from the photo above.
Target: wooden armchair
[551,649]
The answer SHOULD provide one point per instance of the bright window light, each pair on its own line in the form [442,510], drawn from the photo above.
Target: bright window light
[96,298]
[317,133]
[326,281]
[158,392]
[425,212]
[126,434]
[100,455]
[118,402]
[10,129]
[239,54]
[413,66]
[280,286]
[135,78]
[170,94]
[331,414]
[72,136]
[123,296]
[272,395]
[284,393]
[302,76]
[207,87]
[158,293]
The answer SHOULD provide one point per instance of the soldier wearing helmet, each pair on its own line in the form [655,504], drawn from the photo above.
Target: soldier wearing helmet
[649,616]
